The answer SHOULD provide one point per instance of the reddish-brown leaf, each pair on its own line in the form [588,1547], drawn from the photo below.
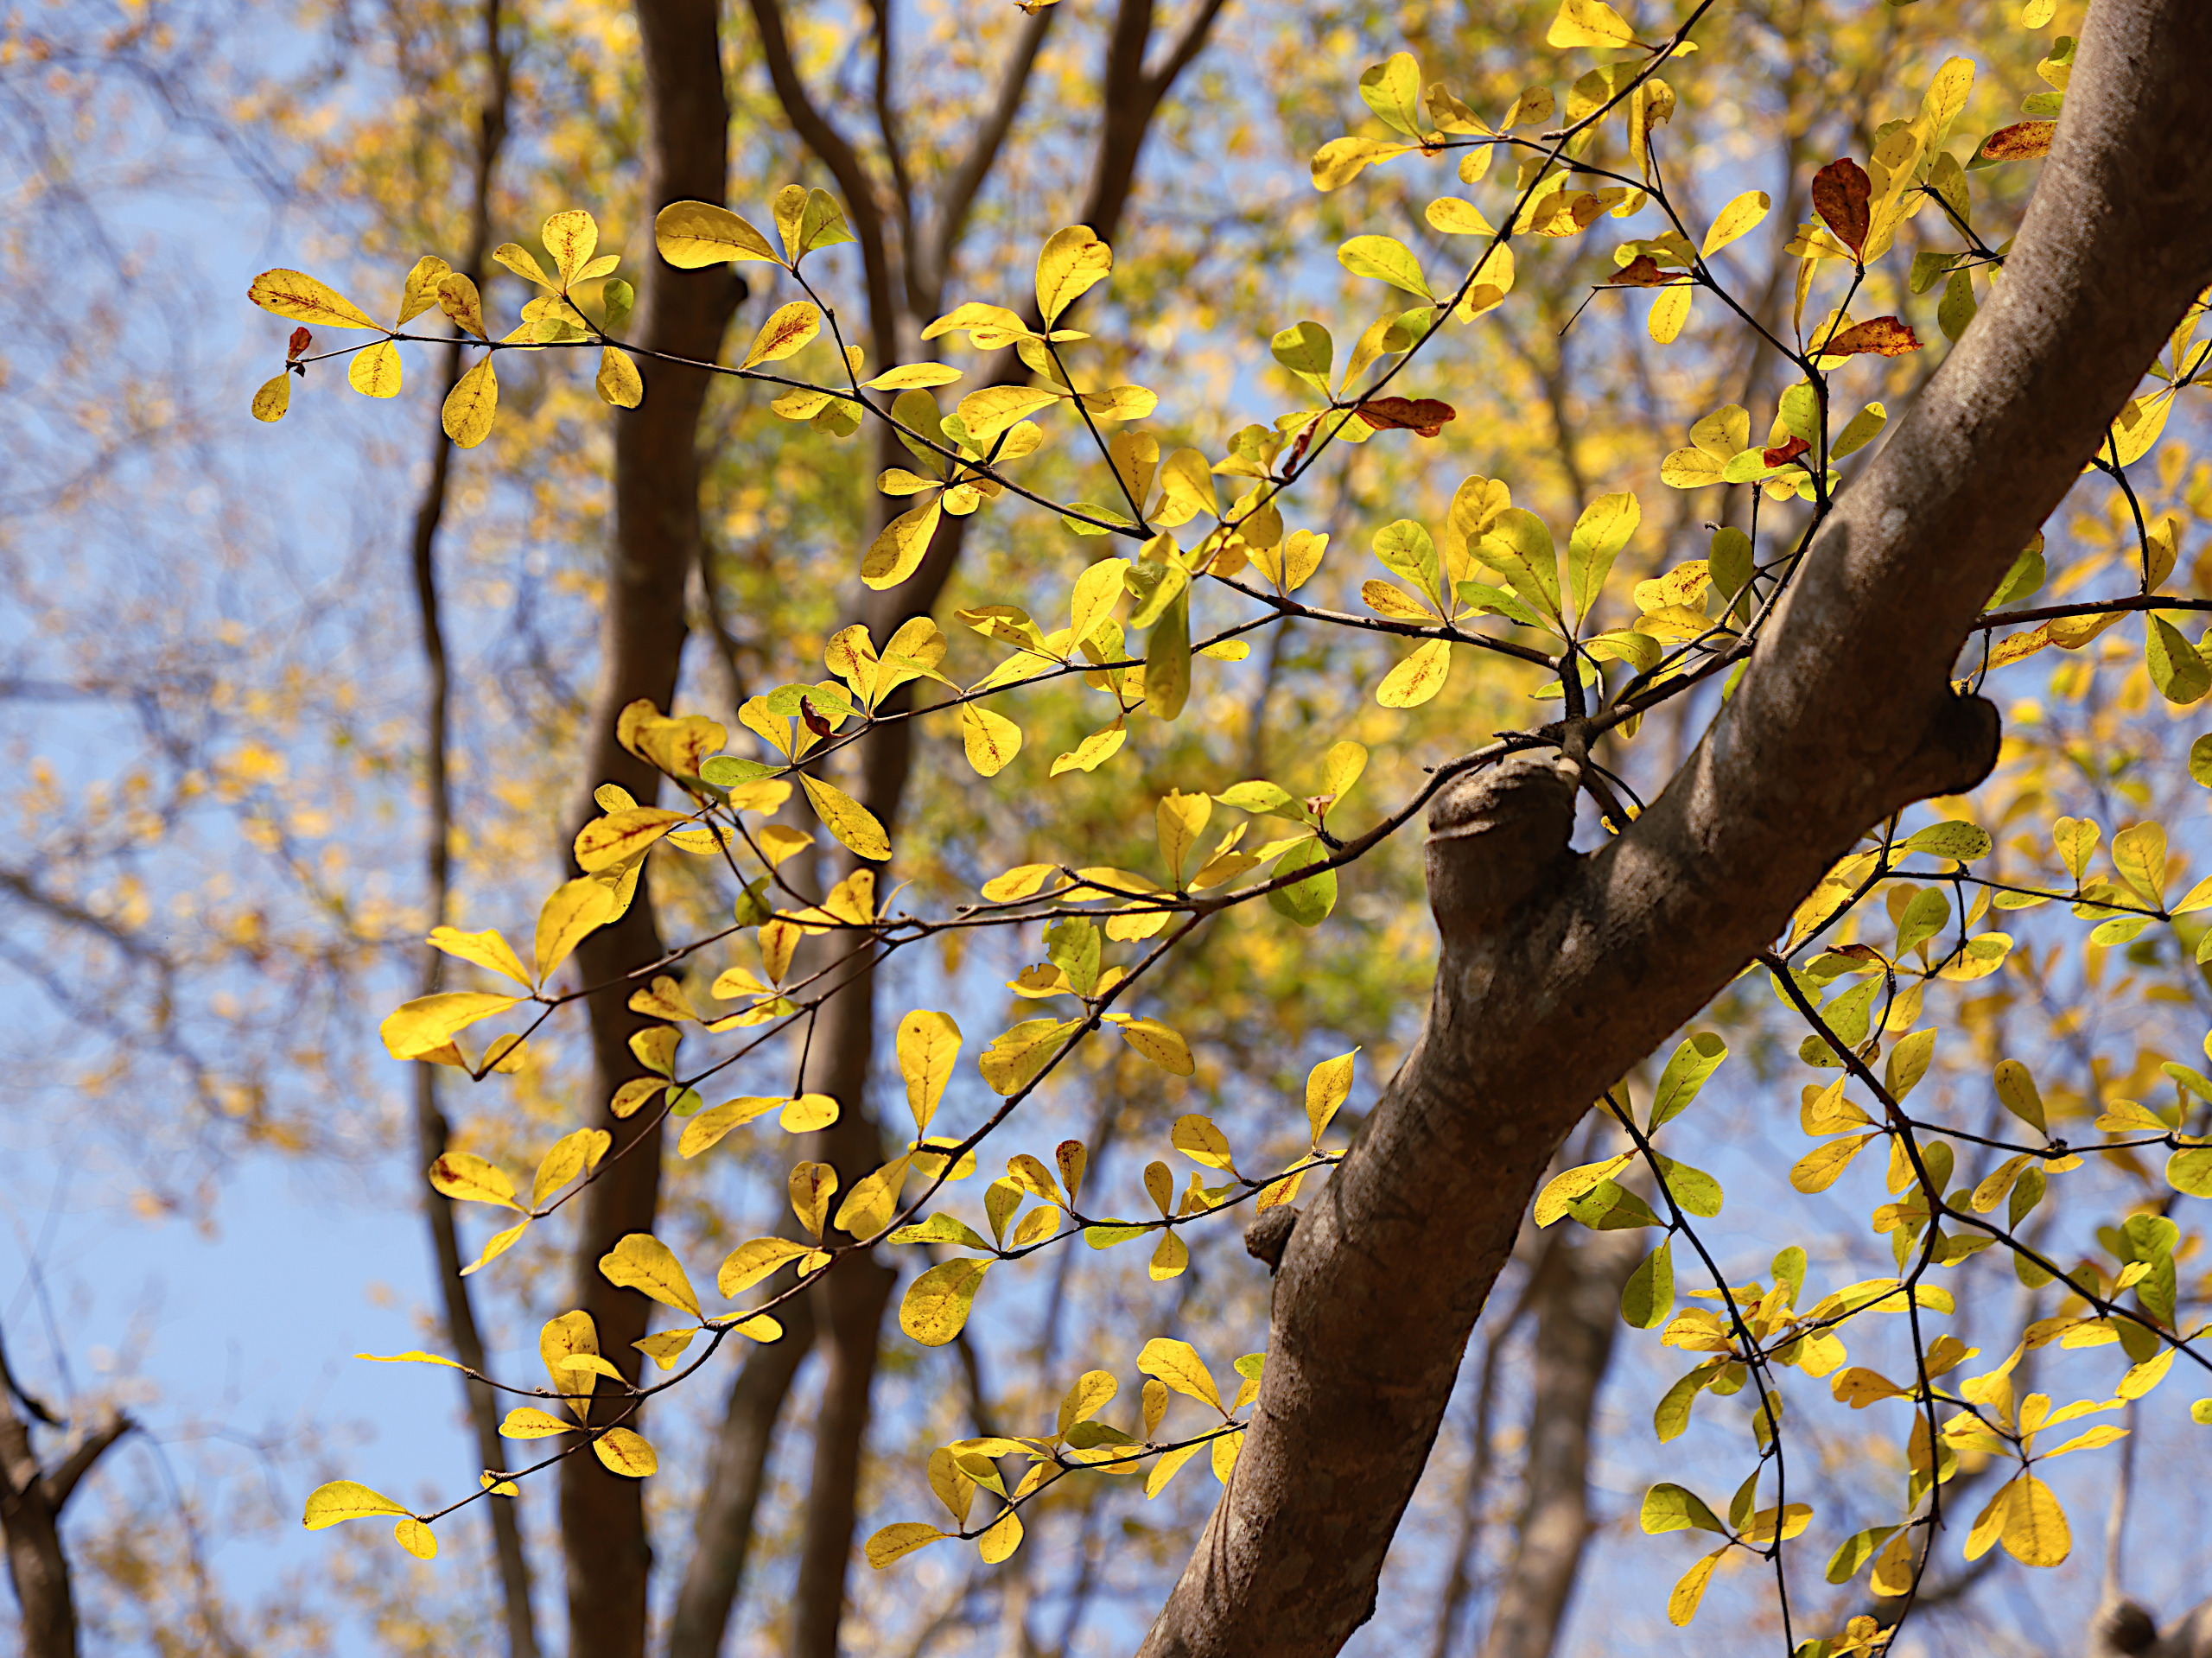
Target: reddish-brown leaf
[1884,336]
[1423,415]
[301,340]
[2022,142]
[815,721]
[1642,271]
[1840,193]
[1788,453]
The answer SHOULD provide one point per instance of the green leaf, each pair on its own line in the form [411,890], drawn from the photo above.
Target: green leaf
[1649,1296]
[1309,901]
[1962,843]
[1406,548]
[1686,1073]
[2180,674]
[1520,546]
[1167,659]
[1673,1507]
[1386,259]
[1598,536]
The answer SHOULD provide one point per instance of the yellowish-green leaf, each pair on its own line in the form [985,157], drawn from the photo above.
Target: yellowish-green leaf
[789,328]
[428,1023]
[694,234]
[1070,261]
[471,406]
[938,1303]
[749,1263]
[855,826]
[894,1541]
[1177,1364]
[1592,22]
[619,384]
[897,551]
[274,397]
[1682,1603]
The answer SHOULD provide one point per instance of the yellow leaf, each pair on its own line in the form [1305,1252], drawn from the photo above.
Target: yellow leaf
[274,397]
[666,1350]
[571,237]
[571,912]
[749,1263]
[527,1422]
[415,1538]
[1739,218]
[421,292]
[911,376]
[898,550]
[1070,261]
[295,294]
[869,1206]
[1681,1603]
[1557,1198]
[789,328]
[990,411]
[1156,1042]
[346,1499]
[709,1128]
[413,1356]
[374,373]
[618,384]
[471,405]
[488,949]
[694,234]
[1169,1258]
[1166,1467]
[1418,677]
[2035,1532]
[1198,1138]
[642,1262]
[497,1245]
[998,1541]
[626,1453]
[938,1303]
[1670,309]
[420,1027]
[1819,1168]
[1328,1085]
[929,1045]
[855,826]
[458,300]
[807,1114]
[1225,1447]
[620,836]
[892,1541]
[1178,820]
[1592,22]
[1177,1364]
[992,739]
[566,1158]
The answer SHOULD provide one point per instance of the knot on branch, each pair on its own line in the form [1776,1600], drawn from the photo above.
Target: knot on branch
[1496,838]
[1268,1236]
[1957,750]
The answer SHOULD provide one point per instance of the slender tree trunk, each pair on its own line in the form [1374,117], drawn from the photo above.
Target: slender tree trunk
[462,1335]
[1558,972]
[1578,1292]
[31,1500]
[603,1535]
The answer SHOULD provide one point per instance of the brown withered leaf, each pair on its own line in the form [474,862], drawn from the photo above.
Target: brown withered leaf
[1424,414]
[1841,191]
[1642,271]
[815,721]
[2022,142]
[1786,453]
[1884,336]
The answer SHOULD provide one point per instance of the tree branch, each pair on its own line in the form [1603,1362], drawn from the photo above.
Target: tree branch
[1558,972]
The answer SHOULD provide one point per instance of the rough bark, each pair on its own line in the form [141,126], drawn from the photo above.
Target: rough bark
[1578,1293]
[1558,972]
[641,643]
[464,1339]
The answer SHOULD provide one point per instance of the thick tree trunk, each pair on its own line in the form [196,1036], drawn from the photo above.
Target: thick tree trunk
[1558,972]
[31,1501]
[641,645]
